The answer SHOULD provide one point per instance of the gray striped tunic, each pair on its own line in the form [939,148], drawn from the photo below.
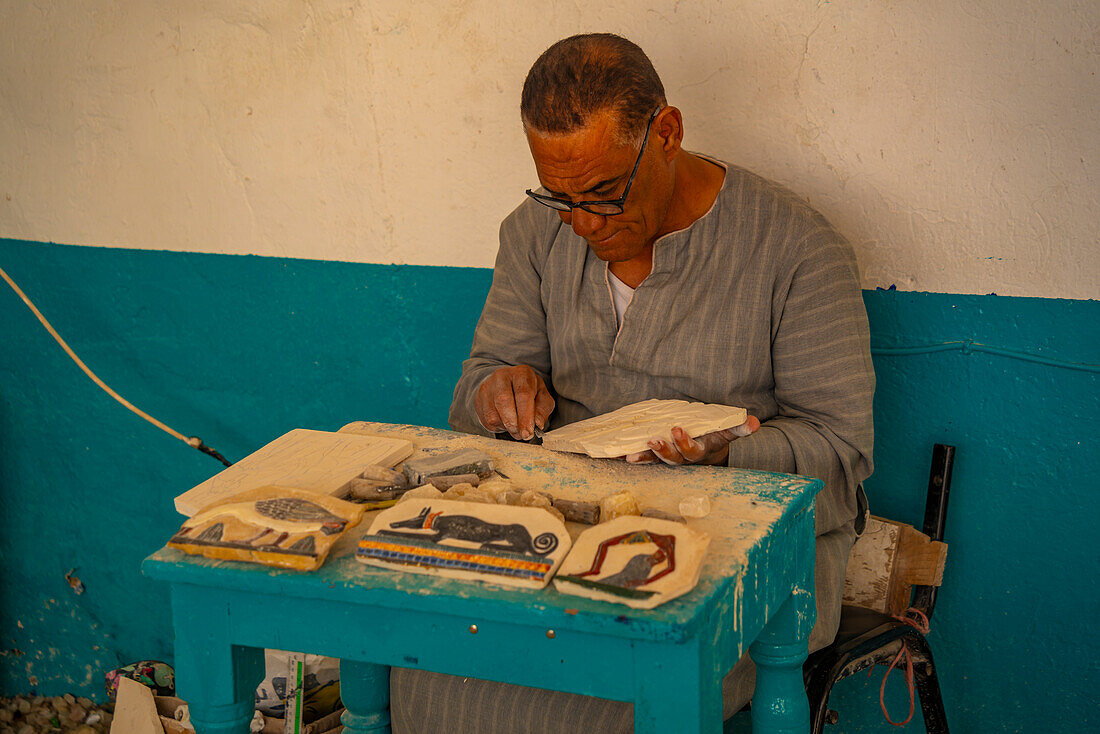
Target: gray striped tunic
[756,304]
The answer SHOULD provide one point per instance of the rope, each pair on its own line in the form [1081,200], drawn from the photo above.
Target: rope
[922,626]
[194,441]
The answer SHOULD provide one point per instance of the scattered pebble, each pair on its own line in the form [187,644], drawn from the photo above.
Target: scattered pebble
[43,714]
[465,492]
[618,505]
[695,506]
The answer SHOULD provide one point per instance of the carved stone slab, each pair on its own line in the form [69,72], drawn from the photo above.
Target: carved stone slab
[629,429]
[313,461]
[515,546]
[641,562]
[275,526]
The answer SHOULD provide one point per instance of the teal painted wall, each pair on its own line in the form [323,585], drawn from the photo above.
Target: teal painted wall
[239,350]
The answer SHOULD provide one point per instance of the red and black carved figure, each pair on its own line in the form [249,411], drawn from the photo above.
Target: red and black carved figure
[641,569]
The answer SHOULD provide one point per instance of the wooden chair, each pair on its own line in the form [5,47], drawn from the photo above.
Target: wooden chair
[893,568]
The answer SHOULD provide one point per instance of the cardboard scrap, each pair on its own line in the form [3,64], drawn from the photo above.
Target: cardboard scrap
[135,710]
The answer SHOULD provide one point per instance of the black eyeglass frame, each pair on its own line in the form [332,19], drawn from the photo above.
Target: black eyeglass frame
[611,207]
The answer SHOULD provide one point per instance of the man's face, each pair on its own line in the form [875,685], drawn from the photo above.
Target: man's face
[589,165]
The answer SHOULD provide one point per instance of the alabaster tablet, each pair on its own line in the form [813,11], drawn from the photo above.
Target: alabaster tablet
[517,546]
[629,429]
[318,462]
[275,526]
[641,562]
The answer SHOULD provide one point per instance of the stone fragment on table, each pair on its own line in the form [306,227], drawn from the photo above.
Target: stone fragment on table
[496,485]
[510,497]
[425,492]
[542,500]
[695,506]
[446,481]
[618,504]
[420,468]
[384,474]
[469,493]
[587,513]
[372,490]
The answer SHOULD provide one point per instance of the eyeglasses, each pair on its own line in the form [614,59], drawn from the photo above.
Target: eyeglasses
[607,208]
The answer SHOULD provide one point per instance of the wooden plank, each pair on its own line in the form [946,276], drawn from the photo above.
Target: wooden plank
[871,565]
[315,461]
[887,561]
[919,560]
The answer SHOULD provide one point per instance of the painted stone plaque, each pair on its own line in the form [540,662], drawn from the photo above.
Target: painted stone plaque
[272,525]
[641,562]
[502,544]
[629,429]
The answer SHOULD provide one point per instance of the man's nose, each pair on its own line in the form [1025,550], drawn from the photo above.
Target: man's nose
[585,223]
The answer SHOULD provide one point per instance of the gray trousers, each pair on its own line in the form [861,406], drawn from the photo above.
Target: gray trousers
[422,702]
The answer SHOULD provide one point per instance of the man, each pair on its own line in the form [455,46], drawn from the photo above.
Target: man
[639,270]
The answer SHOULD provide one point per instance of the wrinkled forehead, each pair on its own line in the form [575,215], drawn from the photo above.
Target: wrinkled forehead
[578,161]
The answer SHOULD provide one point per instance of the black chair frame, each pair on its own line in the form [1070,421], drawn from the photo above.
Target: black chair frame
[867,638]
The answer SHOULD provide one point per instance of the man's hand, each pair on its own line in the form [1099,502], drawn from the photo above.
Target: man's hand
[710,448]
[514,399]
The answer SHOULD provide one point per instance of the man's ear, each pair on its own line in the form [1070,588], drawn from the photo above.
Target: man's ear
[669,129]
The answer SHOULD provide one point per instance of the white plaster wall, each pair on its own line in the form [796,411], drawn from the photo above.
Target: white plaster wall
[956,143]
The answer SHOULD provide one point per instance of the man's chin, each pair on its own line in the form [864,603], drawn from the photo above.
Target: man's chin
[608,251]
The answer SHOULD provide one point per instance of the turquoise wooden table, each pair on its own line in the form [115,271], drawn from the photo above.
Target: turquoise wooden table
[756,589]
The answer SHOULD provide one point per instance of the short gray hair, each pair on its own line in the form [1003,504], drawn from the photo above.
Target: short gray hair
[581,76]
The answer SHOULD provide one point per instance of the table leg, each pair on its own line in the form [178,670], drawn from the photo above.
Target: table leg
[779,704]
[678,689]
[217,678]
[365,691]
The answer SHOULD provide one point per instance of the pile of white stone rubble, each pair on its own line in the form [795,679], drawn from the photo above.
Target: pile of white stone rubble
[35,714]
